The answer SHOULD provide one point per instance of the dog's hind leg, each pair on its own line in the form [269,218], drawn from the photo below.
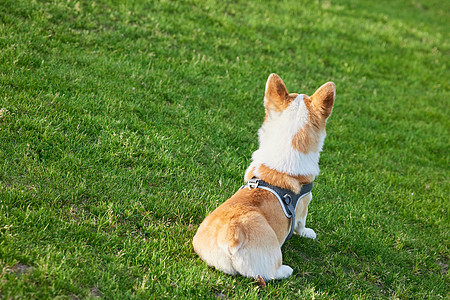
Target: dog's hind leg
[260,254]
[213,250]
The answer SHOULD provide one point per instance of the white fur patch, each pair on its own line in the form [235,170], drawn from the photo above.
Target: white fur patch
[275,142]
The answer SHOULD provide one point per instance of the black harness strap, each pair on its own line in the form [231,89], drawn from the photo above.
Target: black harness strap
[287,198]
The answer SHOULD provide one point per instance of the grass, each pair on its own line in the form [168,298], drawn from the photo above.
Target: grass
[124,123]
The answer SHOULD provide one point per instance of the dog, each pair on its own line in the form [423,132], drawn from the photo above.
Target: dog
[244,235]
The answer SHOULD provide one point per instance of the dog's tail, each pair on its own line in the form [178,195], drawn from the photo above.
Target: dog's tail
[232,238]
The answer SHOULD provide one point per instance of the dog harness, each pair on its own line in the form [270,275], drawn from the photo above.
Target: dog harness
[288,200]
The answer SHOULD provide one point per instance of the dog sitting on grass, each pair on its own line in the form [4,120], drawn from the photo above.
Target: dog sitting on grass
[245,234]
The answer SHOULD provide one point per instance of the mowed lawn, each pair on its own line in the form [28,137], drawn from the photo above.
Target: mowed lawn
[124,123]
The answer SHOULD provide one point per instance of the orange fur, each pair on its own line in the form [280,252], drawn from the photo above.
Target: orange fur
[305,139]
[283,180]
[276,96]
[319,106]
[323,99]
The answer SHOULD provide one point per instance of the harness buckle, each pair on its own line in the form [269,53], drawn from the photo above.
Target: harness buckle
[287,199]
[253,183]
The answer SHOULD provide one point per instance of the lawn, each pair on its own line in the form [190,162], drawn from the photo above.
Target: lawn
[124,123]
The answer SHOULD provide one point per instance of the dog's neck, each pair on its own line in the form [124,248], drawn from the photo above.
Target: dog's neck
[278,161]
[276,178]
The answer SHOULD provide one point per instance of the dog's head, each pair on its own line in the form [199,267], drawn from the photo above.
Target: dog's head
[293,131]
[306,115]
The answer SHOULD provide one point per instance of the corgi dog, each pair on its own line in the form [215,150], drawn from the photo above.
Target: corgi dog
[244,235]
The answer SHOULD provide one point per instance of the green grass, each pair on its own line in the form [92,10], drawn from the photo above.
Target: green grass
[124,123]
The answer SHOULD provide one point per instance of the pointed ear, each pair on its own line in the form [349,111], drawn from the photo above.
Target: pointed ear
[276,94]
[323,99]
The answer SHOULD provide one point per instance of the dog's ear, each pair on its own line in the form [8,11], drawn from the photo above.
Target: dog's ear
[323,99]
[276,97]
